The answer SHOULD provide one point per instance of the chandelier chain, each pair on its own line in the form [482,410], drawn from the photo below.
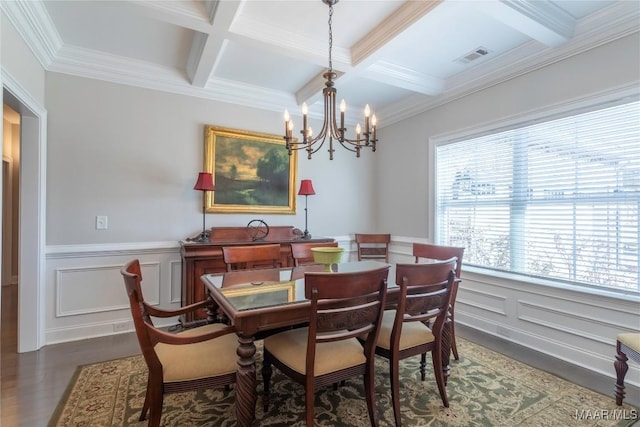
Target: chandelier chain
[330,37]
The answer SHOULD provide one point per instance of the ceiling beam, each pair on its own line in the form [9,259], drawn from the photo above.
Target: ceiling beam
[402,18]
[192,15]
[361,59]
[207,47]
[542,21]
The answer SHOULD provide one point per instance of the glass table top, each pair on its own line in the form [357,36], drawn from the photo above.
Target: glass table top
[252,289]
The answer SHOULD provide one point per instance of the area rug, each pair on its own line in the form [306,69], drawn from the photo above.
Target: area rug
[485,389]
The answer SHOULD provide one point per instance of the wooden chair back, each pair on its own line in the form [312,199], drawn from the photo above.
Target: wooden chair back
[251,257]
[373,246]
[425,250]
[344,305]
[425,294]
[302,254]
[440,252]
[141,319]
[299,271]
[231,278]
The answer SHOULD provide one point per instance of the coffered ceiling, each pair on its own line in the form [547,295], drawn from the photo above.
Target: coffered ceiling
[401,57]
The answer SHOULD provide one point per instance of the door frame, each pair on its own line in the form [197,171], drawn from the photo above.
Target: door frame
[32,216]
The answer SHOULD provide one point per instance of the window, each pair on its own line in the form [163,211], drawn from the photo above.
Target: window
[557,199]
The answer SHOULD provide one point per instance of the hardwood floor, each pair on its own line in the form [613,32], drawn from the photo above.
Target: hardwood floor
[33,383]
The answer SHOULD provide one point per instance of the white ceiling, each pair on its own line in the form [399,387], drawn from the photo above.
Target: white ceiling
[401,57]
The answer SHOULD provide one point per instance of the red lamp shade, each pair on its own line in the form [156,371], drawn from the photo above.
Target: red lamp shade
[306,188]
[205,182]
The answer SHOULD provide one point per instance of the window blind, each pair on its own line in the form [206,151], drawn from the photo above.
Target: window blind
[557,199]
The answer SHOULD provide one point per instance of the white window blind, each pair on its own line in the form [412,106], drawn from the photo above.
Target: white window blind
[557,199]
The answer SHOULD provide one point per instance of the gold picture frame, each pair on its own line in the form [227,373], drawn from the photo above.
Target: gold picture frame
[252,172]
[260,295]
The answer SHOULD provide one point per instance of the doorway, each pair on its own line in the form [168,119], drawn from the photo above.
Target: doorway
[30,212]
[10,216]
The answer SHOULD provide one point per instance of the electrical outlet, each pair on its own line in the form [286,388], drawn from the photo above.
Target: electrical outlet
[101,222]
[120,326]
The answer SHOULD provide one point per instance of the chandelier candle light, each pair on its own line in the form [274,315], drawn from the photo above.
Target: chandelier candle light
[306,190]
[204,184]
[330,128]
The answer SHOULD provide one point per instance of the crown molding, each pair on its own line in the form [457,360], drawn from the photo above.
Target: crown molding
[33,23]
[406,78]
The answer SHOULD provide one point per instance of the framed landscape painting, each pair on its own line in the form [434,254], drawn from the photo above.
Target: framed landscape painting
[253,172]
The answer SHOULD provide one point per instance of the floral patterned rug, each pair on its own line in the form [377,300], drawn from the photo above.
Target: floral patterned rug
[485,389]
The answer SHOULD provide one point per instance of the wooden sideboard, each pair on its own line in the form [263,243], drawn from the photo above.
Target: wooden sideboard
[205,258]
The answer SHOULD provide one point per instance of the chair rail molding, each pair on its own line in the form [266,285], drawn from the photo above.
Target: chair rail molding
[106,249]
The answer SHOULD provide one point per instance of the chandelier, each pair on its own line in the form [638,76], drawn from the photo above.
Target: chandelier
[365,138]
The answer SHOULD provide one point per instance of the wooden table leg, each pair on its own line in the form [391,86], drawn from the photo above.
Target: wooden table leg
[246,382]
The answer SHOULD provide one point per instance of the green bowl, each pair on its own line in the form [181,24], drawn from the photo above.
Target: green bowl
[327,255]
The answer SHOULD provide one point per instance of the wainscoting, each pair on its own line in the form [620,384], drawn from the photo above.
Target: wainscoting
[85,299]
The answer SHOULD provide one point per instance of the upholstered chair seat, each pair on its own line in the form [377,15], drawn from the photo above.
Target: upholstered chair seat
[290,348]
[627,347]
[220,355]
[413,334]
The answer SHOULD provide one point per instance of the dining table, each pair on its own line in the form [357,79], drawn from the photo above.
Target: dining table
[260,307]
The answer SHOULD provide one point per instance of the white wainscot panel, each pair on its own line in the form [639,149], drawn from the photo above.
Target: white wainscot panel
[481,301]
[176,282]
[567,317]
[91,289]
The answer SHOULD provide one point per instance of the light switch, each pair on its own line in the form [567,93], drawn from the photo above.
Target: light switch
[101,222]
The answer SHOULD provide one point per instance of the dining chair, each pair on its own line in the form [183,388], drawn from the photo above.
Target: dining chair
[373,246]
[251,257]
[238,277]
[627,347]
[425,292]
[302,254]
[198,358]
[343,307]
[440,252]
[299,271]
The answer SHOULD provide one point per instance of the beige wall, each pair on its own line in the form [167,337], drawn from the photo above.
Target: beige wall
[133,154]
[20,62]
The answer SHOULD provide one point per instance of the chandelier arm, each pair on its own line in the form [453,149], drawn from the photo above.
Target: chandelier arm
[336,132]
[310,141]
[311,150]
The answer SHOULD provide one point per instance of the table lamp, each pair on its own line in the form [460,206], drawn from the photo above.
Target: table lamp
[306,190]
[204,184]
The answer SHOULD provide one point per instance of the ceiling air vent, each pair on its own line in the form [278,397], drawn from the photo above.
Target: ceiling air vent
[473,55]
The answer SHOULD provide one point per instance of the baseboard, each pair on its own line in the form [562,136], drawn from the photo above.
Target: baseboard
[96,330]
